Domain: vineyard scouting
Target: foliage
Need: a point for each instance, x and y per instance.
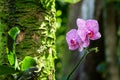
(27, 63)
(12, 34)
(70, 1)
(61, 18)
(35, 20)
(7, 70)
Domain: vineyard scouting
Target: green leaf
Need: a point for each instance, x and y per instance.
(13, 32)
(7, 70)
(27, 63)
(71, 1)
(11, 58)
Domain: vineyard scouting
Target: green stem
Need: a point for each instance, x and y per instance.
(81, 59)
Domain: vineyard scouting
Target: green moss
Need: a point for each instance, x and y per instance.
(48, 70)
(36, 18)
(46, 4)
(2, 42)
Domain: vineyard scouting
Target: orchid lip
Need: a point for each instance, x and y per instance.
(73, 43)
(91, 34)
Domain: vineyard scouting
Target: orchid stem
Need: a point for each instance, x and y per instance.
(81, 59)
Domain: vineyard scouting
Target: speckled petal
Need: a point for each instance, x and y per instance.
(92, 25)
(80, 23)
(82, 33)
(86, 42)
(96, 36)
(72, 35)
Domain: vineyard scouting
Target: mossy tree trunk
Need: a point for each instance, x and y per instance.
(36, 21)
(2, 34)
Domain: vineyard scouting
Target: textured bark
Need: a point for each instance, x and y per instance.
(2, 36)
(36, 20)
(111, 42)
(3, 27)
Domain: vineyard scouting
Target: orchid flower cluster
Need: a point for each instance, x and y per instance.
(80, 38)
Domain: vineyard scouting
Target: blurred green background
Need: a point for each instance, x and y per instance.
(103, 65)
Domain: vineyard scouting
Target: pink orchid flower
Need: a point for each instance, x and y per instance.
(73, 40)
(88, 30)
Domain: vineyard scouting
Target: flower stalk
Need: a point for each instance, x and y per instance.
(81, 59)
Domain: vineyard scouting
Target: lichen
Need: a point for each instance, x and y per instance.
(48, 26)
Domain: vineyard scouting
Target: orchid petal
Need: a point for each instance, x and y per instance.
(73, 39)
(82, 33)
(86, 42)
(92, 25)
(80, 23)
(96, 36)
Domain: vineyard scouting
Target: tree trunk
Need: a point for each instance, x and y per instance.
(111, 42)
(36, 21)
(2, 35)
(3, 41)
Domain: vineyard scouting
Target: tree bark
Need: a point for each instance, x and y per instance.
(36, 21)
(111, 42)
(2, 35)
(3, 41)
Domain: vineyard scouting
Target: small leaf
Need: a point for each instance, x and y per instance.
(27, 63)
(11, 58)
(71, 1)
(6, 70)
(13, 32)
(16, 66)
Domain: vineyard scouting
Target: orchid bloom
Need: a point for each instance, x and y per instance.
(88, 30)
(73, 40)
